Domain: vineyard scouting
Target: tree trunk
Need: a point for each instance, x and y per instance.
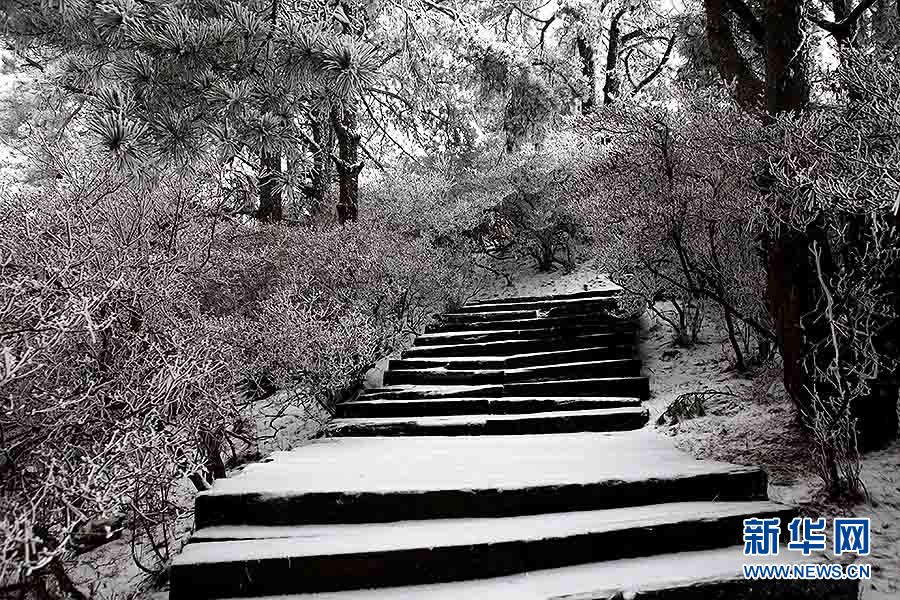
(611, 84)
(732, 66)
(588, 69)
(789, 291)
(320, 174)
(787, 83)
(788, 299)
(343, 119)
(839, 7)
(270, 208)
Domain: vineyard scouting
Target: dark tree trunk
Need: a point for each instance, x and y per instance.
(839, 7)
(270, 208)
(787, 84)
(588, 69)
(732, 66)
(348, 165)
(790, 286)
(789, 292)
(788, 299)
(320, 174)
(611, 83)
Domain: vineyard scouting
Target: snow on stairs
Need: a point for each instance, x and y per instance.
(420, 491)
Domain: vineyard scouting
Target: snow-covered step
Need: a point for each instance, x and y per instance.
(703, 574)
(637, 387)
(502, 335)
(598, 294)
(574, 370)
(244, 561)
(531, 359)
(441, 376)
(473, 406)
(503, 315)
(427, 392)
(510, 347)
(567, 421)
(353, 480)
(597, 304)
(285, 506)
(600, 322)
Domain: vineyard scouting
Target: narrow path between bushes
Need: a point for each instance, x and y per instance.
(504, 456)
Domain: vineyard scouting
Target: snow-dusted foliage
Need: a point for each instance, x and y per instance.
(669, 197)
(140, 324)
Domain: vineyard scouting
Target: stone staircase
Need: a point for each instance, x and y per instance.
(504, 457)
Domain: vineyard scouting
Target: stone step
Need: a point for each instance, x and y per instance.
(439, 376)
(703, 574)
(246, 561)
(609, 292)
(429, 392)
(475, 317)
(535, 359)
(568, 421)
(508, 348)
(636, 387)
(475, 406)
(357, 480)
(552, 308)
(504, 335)
(563, 323)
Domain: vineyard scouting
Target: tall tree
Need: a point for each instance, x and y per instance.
(780, 84)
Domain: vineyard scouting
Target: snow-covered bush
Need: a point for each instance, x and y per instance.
(516, 205)
(669, 197)
(133, 314)
(111, 377)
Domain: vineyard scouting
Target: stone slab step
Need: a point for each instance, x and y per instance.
(511, 347)
(474, 406)
(368, 464)
(573, 322)
(569, 421)
(439, 375)
(504, 335)
(252, 560)
(704, 574)
(356, 480)
(551, 307)
(636, 387)
(534, 359)
(330, 479)
(475, 317)
(428, 392)
(609, 292)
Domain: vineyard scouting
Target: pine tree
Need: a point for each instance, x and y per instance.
(249, 81)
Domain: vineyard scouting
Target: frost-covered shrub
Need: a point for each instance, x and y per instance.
(522, 210)
(132, 316)
(343, 298)
(669, 196)
(112, 380)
